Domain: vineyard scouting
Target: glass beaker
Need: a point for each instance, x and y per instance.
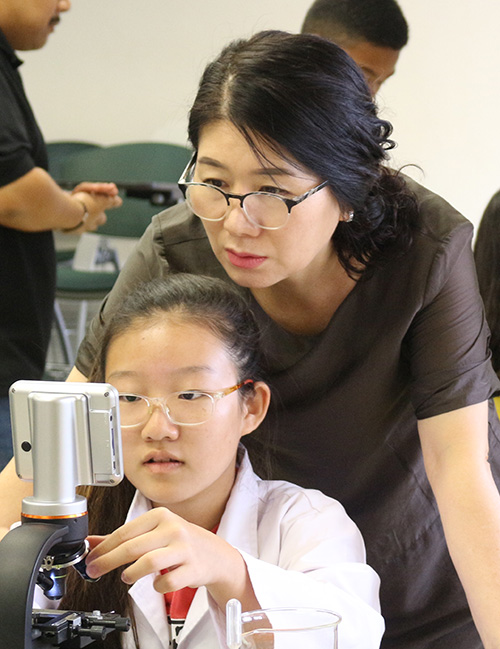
(289, 628)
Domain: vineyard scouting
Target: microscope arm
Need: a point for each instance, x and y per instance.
(22, 551)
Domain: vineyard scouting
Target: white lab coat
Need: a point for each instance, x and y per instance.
(301, 549)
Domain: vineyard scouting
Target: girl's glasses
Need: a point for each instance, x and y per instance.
(186, 408)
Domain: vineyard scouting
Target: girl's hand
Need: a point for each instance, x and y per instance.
(160, 540)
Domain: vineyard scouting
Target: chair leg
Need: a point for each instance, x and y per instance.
(62, 330)
(82, 322)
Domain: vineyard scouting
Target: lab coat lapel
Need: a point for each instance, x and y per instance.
(150, 610)
(149, 603)
(238, 527)
(198, 614)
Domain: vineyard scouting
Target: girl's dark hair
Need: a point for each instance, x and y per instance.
(306, 99)
(208, 302)
(487, 258)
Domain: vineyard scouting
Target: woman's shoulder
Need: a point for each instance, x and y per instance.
(178, 224)
(179, 237)
(440, 236)
(437, 220)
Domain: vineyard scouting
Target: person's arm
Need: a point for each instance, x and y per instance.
(35, 202)
(76, 376)
(12, 492)
(455, 450)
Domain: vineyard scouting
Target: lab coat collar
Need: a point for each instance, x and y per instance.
(238, 525)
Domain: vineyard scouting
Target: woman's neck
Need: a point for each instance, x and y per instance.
(306, 306)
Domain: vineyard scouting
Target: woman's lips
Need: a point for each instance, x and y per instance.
(244, 260)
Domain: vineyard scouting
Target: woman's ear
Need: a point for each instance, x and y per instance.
(255, 407)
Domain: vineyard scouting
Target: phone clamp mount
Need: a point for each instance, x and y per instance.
(52, 536)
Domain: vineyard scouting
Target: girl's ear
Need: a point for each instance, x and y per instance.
(255, 407)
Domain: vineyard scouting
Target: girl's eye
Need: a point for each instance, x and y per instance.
(191, 395)
(129, 398)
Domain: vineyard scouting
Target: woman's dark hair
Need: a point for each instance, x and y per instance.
(208, 302)
(306, 99)
(487, 258)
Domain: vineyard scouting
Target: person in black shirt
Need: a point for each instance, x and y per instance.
(31, 206)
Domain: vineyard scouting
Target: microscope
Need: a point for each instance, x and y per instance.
(64, 435)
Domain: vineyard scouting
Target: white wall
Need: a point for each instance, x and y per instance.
(124, 70)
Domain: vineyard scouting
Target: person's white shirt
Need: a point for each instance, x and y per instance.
(301, 549)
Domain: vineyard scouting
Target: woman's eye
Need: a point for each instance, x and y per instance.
(213, 181)
(279, 191)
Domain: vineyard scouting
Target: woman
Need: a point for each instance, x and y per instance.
(191, 526)
(374, 338)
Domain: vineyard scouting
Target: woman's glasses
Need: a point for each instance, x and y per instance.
(264, 210)
(186, 408)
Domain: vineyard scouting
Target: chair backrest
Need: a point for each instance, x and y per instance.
(60, 150)
(135, 162)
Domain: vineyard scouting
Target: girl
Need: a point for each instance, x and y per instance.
(192, 526)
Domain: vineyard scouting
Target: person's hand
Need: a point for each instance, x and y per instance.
(160, 540)
(107, 189)
(96, 205)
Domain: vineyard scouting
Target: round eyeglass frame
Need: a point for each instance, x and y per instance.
(160, 402)
(184, 184)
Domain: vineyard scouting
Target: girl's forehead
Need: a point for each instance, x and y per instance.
(170, 327)
(171, 342)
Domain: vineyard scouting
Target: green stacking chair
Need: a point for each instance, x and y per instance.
(60, 150)
(146, 174)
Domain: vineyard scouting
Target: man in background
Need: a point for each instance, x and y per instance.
(372, 32)
(31, 206)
